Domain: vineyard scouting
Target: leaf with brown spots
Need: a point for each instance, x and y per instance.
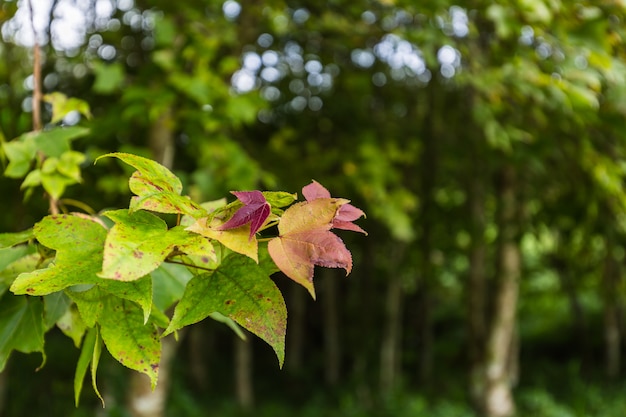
(131, 342)
(140, 241)
(156, 187)
(79, 243)
(242, 290)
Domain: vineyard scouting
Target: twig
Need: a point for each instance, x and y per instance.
(37, 95)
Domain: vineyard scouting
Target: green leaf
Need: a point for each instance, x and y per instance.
(140, 241)
(279, 199)
(79, 243)
(90, 302)
(26, 263)
(55, 184)
(20, 153)
(168, 284)
(62, 105)
(55, 306)
(133, 344)
(12, 239)
(156, 187)
(72, 325)
(56, 141)
(241, 290)
(109, 77)
(90, 353)
(21, 327)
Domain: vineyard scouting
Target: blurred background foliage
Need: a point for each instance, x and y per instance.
(485, 141)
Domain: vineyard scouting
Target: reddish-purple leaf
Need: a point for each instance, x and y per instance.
(255, 211)
(345, 216)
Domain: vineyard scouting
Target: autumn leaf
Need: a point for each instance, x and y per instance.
(305, 240)
(345, 216)
(238, 239)
(255, 211)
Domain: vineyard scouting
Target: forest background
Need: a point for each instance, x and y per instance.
(484, 140)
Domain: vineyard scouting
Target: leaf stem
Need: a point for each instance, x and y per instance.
(171, 261)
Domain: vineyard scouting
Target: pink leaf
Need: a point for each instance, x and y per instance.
(345, 216)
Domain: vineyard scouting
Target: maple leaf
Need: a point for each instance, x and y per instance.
(305, 240)
(346, 214)
(255, 211)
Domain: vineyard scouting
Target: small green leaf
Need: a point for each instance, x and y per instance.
(156, 187)
(21, 327)
(20, 153)
(109, 77)
(11, 239)
(279, 199)
(241, 290)
(62, 105)
(56, 141)
(130, 342)
(90, 353)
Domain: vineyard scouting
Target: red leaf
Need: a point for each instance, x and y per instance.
(305, 241)
(345, 216)
(255, 211)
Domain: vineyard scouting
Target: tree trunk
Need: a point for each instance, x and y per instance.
(295, 335)
(332, 343)
(142, 401)
(243, 373)
(500, 348)
(612, 334)
(476, 288)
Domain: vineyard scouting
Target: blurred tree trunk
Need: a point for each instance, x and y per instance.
(612, 334)
(295, 335)
(142, 401)
(390, 350)
(476, 285)
(501, 335)
(243, 372)
(332, 342)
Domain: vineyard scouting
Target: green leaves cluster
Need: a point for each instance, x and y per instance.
(126, 279)
(45, 157)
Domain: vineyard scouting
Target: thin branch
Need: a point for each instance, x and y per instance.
(37, 95)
